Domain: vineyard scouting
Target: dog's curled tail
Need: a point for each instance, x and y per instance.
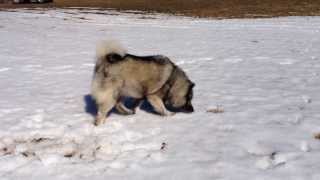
(110, 50)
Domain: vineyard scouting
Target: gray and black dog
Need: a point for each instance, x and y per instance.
(118, 74)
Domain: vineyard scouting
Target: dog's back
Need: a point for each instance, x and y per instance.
(139, 75)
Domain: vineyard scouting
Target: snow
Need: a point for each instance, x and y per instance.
(261, 74)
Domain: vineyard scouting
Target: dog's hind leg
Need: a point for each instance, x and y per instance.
(158, 105)
(122, 109)
(105, 106)
(133, 103)
(103, 109)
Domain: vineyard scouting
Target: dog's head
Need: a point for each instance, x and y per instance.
(180, 96)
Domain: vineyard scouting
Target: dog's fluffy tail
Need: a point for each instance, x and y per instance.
(108, 47)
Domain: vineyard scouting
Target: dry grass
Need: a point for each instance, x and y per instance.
(200, 8)
(216, 110)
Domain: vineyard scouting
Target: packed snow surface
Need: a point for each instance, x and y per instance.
(257, 100)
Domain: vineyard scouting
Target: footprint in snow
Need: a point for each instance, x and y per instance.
(276, 159)
(306, 99)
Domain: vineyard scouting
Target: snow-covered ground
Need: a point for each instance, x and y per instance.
(263, 73)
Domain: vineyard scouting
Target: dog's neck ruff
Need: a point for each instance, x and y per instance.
(170, 81)
(172, 77)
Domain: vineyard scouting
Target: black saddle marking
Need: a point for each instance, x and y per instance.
(113, 58)
(159, 59)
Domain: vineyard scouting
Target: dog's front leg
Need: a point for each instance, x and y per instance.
(158, 105)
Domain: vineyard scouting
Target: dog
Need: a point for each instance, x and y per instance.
(157, 79)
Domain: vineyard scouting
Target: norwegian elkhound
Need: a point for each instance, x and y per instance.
(118, 74)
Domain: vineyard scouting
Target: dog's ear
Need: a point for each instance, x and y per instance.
(113, 58)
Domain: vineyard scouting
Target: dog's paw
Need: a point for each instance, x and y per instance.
(171, 113)
(99, 120)
(168, 113)
(127, 112)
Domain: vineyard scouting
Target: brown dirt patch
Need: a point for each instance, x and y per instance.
(199, 8)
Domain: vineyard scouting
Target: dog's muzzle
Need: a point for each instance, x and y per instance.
(188, 109)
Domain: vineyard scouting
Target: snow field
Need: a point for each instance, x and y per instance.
(263, 73)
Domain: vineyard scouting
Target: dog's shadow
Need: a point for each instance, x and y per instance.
(91, 108)
(90, 105)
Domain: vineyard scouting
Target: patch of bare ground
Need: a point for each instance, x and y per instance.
(198, 8)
